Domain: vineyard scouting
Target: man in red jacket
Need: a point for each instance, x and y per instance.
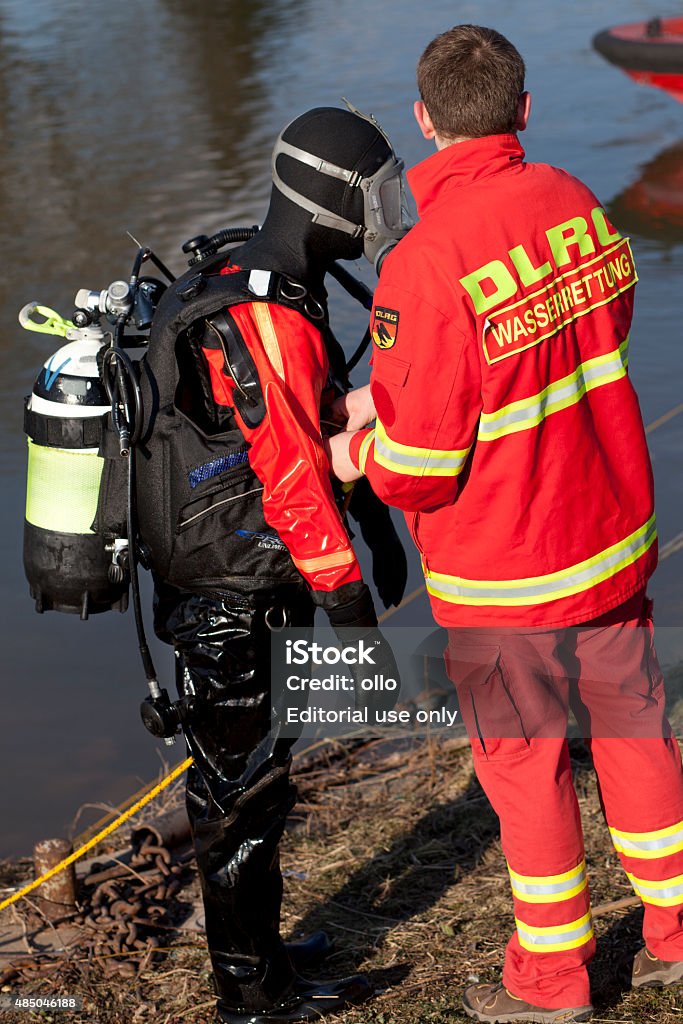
(509, 432)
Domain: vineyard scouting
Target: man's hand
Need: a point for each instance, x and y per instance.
(337, 449)
(355, 409)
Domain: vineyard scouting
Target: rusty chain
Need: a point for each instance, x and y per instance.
(121, 911)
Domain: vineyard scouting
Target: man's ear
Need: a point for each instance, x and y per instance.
(423, 119)
(523, 111)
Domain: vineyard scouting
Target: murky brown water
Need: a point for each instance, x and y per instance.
(158, 118)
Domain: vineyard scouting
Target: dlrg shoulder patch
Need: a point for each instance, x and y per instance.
(384, 326)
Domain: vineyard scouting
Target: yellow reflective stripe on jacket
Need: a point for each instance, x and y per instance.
(649, 845)
(552, 586)
(331, 561)
(549, 888)
(364, 449)
(623, 349)
(557, 937)
(412, 461)
(666, 893)
(569, 390)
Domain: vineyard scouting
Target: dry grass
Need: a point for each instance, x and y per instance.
(395, 851)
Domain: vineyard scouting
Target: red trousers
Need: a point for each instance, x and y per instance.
(515, 691)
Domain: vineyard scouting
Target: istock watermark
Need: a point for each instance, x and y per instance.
(487, 683)
(331, 683)
(303, 652)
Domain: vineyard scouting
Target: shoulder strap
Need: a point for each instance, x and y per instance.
(248, 394)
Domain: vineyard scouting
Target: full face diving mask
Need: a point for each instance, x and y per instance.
(386, 218)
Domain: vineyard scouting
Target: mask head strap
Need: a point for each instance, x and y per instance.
(371, 119)
(320, 214)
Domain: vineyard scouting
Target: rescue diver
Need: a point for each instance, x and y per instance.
(243, 534)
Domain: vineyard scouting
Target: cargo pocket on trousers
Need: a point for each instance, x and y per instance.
(486, 696)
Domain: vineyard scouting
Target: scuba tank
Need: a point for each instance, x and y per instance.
(75, 535)
(66, 561)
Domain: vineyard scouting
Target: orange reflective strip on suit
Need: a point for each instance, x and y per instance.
(268, 336)
(334, 559)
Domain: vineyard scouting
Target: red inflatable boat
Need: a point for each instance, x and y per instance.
(651, 52)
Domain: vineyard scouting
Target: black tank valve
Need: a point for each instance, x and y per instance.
(82, 318)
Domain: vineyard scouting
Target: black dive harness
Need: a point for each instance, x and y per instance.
(187, 473)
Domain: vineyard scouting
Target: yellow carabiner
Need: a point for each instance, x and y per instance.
(52, 324)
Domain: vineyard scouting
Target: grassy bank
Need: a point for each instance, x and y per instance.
(396, 853)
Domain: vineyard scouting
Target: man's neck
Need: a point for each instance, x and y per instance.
(442, 143)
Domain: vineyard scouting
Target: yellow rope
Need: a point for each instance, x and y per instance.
(77, 854)
(83, 836)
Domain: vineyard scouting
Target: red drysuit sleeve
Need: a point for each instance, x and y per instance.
(286, 450)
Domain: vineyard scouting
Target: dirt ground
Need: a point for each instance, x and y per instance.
(396, 853)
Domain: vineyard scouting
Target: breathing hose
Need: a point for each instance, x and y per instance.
(123, 390)
(118, 374)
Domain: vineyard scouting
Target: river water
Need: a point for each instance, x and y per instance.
(158, 119)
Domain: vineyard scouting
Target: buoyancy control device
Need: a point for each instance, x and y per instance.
(197, 493)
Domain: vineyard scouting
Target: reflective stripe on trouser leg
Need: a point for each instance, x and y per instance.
(552, 911)
(547, 955)
(543, 889)
(653, 861)
(641, 780)
(555, 938)
(649, 845)
(667, 892)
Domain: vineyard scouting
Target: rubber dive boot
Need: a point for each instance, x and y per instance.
(306, 1000)
(309, 950)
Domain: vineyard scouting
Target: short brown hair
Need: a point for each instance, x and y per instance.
(470, 79)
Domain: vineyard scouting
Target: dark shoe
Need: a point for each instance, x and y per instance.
(651, 972)
(307, 1000)
(493, 1003)
(309, 951)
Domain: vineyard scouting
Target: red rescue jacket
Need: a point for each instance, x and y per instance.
(507, 426)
